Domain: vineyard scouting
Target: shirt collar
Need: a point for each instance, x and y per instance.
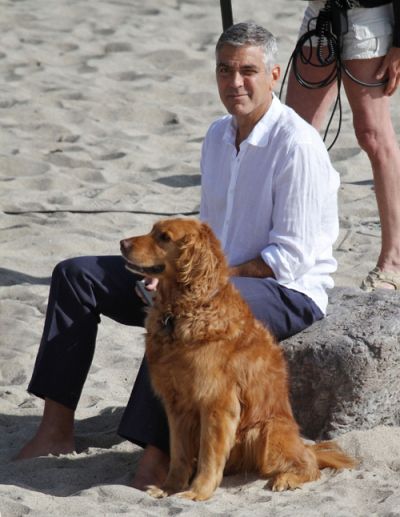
(259, 136)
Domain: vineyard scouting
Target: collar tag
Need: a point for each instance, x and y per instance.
(168, 322)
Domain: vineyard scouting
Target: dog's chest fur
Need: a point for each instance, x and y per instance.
(185, 324)
(187, 349)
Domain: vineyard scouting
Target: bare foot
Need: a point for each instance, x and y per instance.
(43, 446)
(55, 434)
(152, 468)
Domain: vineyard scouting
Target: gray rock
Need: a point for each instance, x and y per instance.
(345, 369)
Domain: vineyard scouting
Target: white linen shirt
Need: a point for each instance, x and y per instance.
(275, 198)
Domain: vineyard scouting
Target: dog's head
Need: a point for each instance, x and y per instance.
(182, 250)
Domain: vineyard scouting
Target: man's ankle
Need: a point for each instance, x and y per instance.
(152, 468)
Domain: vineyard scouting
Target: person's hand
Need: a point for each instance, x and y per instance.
(150, 284)
(391, 69)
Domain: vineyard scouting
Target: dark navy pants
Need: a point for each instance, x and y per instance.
(84, 288)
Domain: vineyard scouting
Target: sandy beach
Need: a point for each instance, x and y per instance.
(103, 107)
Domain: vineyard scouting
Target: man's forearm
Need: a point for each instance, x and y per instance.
(256, 268)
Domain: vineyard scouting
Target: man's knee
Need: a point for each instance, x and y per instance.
(68, 268)
(74, 273)
(73, 284)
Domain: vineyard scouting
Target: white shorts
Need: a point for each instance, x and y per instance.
(370, 30)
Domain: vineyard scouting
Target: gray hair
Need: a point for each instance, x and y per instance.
(250, 33)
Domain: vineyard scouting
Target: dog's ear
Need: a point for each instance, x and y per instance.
(200, 258)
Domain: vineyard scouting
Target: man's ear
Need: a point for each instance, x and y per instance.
(275, 74)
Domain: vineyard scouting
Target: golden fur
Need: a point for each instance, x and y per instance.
(219, 372)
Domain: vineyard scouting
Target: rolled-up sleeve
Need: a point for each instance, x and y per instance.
(301, 186)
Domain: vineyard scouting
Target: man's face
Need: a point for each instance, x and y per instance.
(244, 85)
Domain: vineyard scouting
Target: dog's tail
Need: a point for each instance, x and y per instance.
(330, 455)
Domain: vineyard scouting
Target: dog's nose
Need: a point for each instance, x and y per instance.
(124, 245)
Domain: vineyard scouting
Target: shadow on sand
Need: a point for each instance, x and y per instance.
(66, 475)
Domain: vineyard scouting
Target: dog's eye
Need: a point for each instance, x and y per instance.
(164, 237)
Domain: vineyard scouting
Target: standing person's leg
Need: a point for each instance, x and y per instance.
(376, 136)
(311, 104)
(81, 290)
(365, 44)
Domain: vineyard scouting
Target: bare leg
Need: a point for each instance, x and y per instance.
(375, 134)
(55, 434)
(312, 105)
(152, 468)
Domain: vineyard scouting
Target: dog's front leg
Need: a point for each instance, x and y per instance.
(183, 449)
(218, 431)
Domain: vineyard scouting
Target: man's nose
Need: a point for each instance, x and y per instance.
(236, 79)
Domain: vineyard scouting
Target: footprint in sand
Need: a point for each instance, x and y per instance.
(113, 156)
(117, 47)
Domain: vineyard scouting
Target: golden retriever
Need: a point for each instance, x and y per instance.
(221, 375)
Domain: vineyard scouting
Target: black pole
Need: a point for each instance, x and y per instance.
(226, 12)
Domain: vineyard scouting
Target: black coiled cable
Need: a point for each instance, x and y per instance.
(330, 25)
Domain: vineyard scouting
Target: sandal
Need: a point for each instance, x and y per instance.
(377, 279)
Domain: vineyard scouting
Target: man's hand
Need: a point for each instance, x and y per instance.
(255, 268)
(391, 69)
(150, 285)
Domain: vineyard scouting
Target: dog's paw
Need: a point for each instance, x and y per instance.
(285, 481)
(193, 496)
(156, 492)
